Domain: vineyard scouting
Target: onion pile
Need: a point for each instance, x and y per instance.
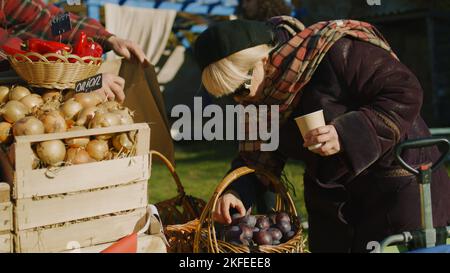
(24, 112)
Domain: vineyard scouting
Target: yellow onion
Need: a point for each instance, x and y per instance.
(53, 122)
(87, 99)
(101, 120)
(122, 143)
(85, 116)
(13, 111)
(79, 141)
(98, 149)
(125, 115)
(18, 92)
(110, 106)
(71, 108)
(75, 156)
(51, 152)
(4, 94)
(32, 100)
(107, 119)
(52, 95)
(28, 126)
(5, 132)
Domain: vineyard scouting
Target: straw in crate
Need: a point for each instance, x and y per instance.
(180, 214)
(206, 237)
(54, 70)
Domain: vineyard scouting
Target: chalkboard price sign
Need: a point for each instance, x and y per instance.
(89, 84)
(61, 24)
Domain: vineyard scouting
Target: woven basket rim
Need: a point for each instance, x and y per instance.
(44, 58)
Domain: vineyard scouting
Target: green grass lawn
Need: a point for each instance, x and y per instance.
(202, 165)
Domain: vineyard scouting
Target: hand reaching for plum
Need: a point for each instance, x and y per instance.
(222, 212)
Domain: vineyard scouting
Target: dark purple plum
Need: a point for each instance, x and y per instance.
(249, 220)
(282, 217)
(263, 223)
(255, 230)
(289, 235)
(263, 238)
(233, 233)
(275, 233)
(284, 227)
(275, 243)
(247, 232)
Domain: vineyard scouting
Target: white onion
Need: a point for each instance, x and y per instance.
(98, 149)
(107, 119)
(28, 126)
(53, 122)
(77, 156)
(122, 143)
(85, 116)
(51, 152)
(14, 110)
(18, 92)
(79, 141)
(110, 106)
(71, 108)
(87, 99)
(32, 100)
(125, 116)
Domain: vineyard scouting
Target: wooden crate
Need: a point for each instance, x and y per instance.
(89, 204)
(5, 219)
(29, 183)
(108, 228)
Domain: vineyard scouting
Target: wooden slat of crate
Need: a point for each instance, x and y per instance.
(146, 244)
(6, 243)
(26, 181)
(32, 183)
(29, 213)
(6, 216)
(84, 234)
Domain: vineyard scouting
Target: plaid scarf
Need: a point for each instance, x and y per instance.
(292, 66)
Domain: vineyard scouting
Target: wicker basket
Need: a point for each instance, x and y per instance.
(179, 214)
(206, 239)
(54, 71)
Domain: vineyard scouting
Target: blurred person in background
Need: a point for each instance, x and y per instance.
(32, 19)
(261, 10)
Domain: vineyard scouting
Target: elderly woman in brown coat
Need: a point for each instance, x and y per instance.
(355, 192)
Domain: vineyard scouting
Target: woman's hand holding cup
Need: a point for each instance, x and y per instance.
(328, 139)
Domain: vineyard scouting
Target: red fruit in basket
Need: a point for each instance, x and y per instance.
(275, 233)
(13, 45)
(263, 238)
(263, 222)
(282, 217)
(233, 233)
(255, 230)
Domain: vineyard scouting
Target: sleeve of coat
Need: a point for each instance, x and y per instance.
(388, 96)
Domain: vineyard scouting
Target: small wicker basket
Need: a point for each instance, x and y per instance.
(206, 239)
(54, 71)
(179, 214)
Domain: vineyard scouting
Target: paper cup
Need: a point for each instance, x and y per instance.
(310, 122)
